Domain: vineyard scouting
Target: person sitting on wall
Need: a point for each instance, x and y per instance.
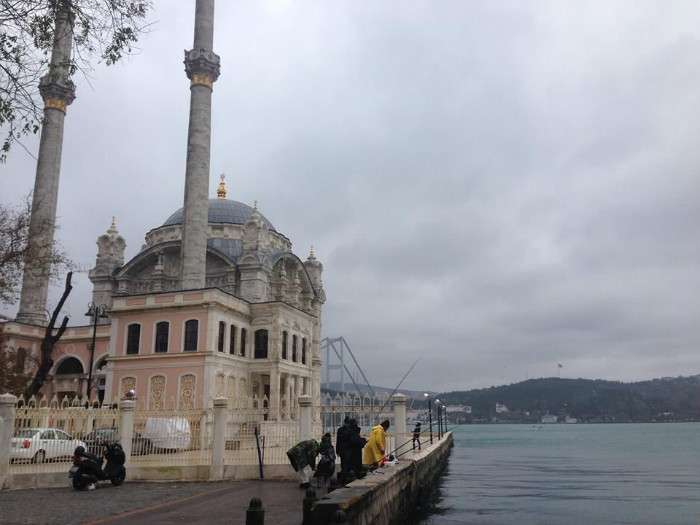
(302, 456)
(376, 445)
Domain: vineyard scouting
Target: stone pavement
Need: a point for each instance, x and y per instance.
(215, 503)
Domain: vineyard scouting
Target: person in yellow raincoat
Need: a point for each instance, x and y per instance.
(376, 444)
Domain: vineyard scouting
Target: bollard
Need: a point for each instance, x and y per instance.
(255, 515)
(309, 500)
(339, 517)
(332, 485)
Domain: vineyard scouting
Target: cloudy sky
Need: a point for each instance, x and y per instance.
(493, 187)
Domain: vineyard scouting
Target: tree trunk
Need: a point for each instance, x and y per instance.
(49, 342)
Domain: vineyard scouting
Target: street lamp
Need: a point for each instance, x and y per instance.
(430, 416)
(96, 312)
(439, 416)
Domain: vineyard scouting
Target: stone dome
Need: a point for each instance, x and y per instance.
(222, 211)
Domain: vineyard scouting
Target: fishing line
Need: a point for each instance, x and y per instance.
(376, 417)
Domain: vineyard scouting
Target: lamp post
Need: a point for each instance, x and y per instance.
(439, 417)
(96, 312)
(430, 416)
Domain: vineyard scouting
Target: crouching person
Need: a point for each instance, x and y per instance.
(302, 456)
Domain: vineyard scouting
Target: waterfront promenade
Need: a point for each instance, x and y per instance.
(216, 503)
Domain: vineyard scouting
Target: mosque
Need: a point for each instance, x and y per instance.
(214, 304)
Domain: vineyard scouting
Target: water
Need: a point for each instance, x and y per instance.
(571, 474)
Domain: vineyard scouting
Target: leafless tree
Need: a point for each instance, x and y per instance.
(51, 337)
(14, 229)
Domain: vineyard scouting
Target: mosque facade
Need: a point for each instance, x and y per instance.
(215, 304)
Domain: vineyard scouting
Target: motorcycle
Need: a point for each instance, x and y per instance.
(87, 467)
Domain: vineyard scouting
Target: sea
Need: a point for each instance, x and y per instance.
(582, 474)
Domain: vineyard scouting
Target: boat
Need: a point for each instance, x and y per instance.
(571, 420)
(549, 418)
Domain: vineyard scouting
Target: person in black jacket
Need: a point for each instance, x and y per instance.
(341, 448)
(354, 445)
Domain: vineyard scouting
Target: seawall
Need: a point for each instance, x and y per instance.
(389, 497)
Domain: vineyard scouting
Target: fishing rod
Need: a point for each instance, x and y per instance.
(376, 417)
(411, 441)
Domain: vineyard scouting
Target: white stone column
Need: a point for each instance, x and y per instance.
(398, 403)
(202, 68)
(275, 393)
(216, 469)
(7, 421)
(305, 417)
(57, 91)
(126, 426)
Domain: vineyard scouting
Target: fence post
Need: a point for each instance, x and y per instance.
(398, 403)
(126, 426)
(218, 445)
(305, 417)
(7, 423)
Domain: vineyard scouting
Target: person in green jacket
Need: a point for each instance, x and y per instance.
(302, 456)
(376, 444)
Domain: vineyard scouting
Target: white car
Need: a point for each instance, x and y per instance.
(41, 444)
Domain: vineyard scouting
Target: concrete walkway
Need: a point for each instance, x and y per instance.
(223, 503)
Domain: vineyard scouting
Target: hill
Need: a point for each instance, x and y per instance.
(667, 399)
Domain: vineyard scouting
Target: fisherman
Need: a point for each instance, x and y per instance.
(354, 444)
(376, 446)
(342, 435)
(416, 436)
(302, 456)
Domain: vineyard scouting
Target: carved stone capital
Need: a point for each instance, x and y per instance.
(202, 67)
(57, 91)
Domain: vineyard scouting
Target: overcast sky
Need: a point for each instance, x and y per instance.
(492, 187)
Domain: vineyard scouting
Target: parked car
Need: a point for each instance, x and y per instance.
(42, 444)
(98, 438)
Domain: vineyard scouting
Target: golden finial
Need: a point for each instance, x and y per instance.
(255, 206)
(113, 225)
(221, 191)
(311, 253)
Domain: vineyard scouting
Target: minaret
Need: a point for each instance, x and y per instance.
(202, 68)
(58, 91)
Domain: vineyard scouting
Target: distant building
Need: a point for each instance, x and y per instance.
(501, 408)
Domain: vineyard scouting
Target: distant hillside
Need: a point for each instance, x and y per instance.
(667, 399)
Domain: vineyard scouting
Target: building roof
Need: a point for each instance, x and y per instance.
(222, 211)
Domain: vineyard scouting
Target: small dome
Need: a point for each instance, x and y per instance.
(222, 211)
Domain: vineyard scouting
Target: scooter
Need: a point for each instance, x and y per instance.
(87, 467)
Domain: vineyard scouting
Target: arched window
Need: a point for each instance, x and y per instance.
(162, 336)
(244, 333)
(303, 350)
(133, 339)
(232, 341)
(261, 344)
(222, 335)
(191, 335)
(285, 336)
(70, 366)
(20, 360)
(294, 348)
